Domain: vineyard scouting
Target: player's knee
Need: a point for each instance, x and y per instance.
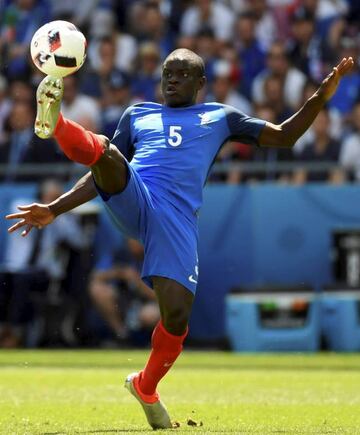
(111, 171)
(104, 141)
(111, 152)
(175, 320)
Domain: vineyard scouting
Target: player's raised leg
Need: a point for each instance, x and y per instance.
(105, 160)
(175, 303)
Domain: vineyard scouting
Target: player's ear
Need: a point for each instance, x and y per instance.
(202, 82)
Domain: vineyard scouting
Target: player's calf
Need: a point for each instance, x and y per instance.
(80, 145)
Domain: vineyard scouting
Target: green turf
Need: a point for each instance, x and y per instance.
(56, 392)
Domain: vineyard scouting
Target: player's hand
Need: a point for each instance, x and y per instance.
(330, 83)
(32, 215)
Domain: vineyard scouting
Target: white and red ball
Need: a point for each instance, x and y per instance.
(58, 48)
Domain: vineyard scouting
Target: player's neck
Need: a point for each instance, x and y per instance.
(182, 106)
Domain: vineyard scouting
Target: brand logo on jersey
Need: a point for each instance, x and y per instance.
(204, 119)
(193, 278)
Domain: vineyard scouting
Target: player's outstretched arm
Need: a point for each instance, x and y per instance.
(287, 133)
(39, 215)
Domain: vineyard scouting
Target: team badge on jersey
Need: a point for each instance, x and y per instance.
(204, 119)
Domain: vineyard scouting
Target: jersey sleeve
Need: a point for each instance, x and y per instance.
(242, 127)
(122, 136)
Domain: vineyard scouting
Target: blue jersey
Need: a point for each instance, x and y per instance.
(174, 148)
(171, 151)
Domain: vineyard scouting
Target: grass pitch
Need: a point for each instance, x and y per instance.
(81, 392)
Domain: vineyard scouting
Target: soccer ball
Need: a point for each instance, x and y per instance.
(58, 48)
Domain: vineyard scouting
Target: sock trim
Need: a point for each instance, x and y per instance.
(179, 338)
(148, 398)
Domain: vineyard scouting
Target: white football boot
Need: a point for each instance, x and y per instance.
(156, 413)
(48, 99)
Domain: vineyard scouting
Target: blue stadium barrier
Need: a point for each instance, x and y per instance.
(266, 234)
(253, 235)
(340, 319)
(9, 195)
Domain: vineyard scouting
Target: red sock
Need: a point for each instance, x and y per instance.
(165, 349)
(78, 144)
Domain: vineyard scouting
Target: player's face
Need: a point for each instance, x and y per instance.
(180, 83)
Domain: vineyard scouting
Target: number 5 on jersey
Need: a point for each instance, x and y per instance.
(175, 137)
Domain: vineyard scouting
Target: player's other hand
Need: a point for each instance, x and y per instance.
(330, 83)
(32, 215)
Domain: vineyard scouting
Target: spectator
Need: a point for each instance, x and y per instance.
(275, 98)
(353, 17)
(281, 11)
(31, 263)
(223, 88)
(309, 89)
(208, 14)
(306, 49)
(350, 148)
(126, 304)
(278, 64)
(223, 91)
(271, 156)
(23, 146)
(125, 45)
(229, 53)
(5, 106)
(330, 16)
(21, 91)
(324, 149)
(94, 80)
(148, 73)
(251, 55)
(205, 46)
(265, 27)
(79, 107)
(349, 89)
(335, 125)
(118, 98)
(19, 22)
(78, 12)
(154, 29)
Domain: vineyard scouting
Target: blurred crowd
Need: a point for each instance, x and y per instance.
(264, 57)
(75, 282)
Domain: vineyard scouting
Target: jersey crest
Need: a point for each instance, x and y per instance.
(204, 119)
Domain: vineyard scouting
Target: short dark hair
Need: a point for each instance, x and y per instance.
(186, 54)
